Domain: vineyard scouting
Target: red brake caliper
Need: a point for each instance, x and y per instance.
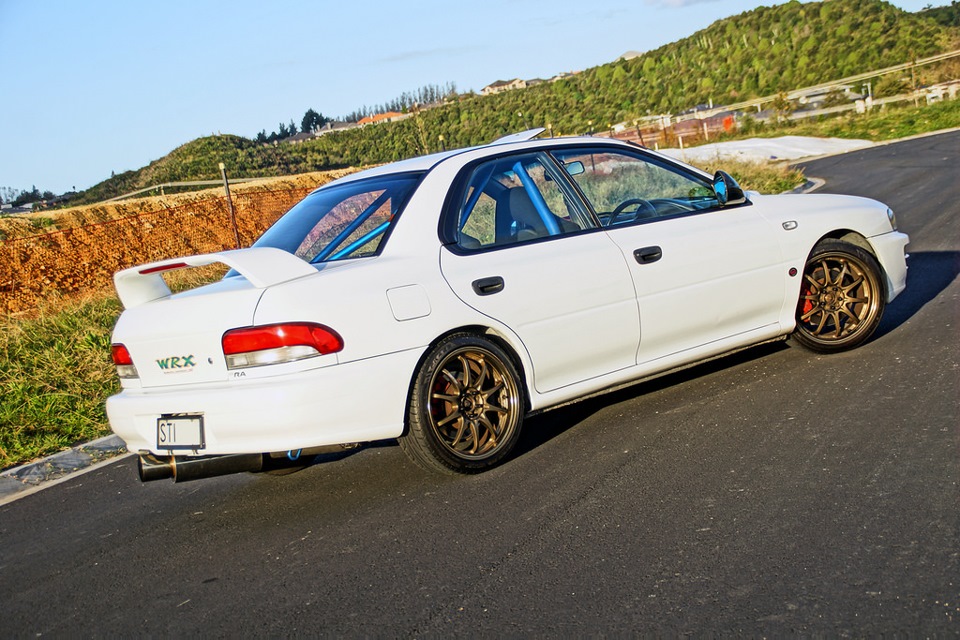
(805, 291)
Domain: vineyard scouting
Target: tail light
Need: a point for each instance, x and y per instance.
(123, 361)
(278, 343)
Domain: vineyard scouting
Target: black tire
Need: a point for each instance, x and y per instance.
(466, 407)
(842, 298)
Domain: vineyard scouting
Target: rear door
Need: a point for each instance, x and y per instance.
(528, 255)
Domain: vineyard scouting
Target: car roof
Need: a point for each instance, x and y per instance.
(514, 142)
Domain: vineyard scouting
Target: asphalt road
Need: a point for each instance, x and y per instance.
(775, 492)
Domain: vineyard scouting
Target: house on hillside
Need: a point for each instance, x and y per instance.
(332, 126)
(7, 209)
(300, 137)
(389, 116)
(503, 85)
(563, 75)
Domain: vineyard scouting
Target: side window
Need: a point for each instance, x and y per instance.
(624, 188)
(516, 199)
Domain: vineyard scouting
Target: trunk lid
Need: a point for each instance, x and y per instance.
(176, 339)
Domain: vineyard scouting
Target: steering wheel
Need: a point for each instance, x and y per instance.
(649, 211)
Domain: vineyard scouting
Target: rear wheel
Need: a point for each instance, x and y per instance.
(466, 407)
(841, 299)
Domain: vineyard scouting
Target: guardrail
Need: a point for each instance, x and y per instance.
(190, 183)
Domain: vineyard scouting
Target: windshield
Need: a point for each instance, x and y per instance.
(342, 221)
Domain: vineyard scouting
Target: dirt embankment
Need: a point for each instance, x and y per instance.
(78, 250)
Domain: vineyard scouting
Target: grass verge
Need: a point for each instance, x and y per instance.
(55, 373)
(758, 176)
(889, 123)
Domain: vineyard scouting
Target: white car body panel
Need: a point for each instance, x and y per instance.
(721, 274)
(593, 326)
(317, 407)
(161, 335)
(578, 313)
(818, 215)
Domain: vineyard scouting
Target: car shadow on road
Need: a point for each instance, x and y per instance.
(541, 428)
(930, 272)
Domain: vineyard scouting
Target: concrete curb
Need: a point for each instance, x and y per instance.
(812, 184)
(19, 481)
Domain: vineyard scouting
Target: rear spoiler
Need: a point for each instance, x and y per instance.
(262, 267)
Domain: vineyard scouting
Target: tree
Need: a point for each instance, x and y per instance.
(782, 106)
(33, 195)
(8, 194)
(312, 121)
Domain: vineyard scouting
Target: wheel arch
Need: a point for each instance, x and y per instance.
(478, 330)
(846, 235)
(858, 240)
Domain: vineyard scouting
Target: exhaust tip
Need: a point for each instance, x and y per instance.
(151, 468)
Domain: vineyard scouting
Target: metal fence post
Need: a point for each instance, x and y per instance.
(233, 215)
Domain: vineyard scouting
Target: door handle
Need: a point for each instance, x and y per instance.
(488, 286)
(646, 255)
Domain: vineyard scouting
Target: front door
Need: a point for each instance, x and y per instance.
(702, 273)
(529, 256)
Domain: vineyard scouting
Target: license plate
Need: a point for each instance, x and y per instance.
(180, 432)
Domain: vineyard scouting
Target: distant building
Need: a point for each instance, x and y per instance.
(8, 209)
(629, 55)
(389, 116)
(331, 126)
(300, 137)
(563, 74)
(503, 85)
(517, 83)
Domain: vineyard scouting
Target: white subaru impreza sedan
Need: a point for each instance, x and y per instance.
(440, 300)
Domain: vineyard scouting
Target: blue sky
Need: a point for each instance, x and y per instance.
(94, 86)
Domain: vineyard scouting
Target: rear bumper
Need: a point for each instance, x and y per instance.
(890, 249)
(346, 403)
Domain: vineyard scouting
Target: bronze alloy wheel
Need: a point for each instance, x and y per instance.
(473, 403)
(466, 409)
(841, 298)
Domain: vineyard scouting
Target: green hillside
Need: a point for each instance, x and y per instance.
(754, 54)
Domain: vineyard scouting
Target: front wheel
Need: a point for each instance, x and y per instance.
(841, 299)
(466, 407)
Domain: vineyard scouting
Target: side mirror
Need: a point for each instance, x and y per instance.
(574, 168)
(727, 190)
